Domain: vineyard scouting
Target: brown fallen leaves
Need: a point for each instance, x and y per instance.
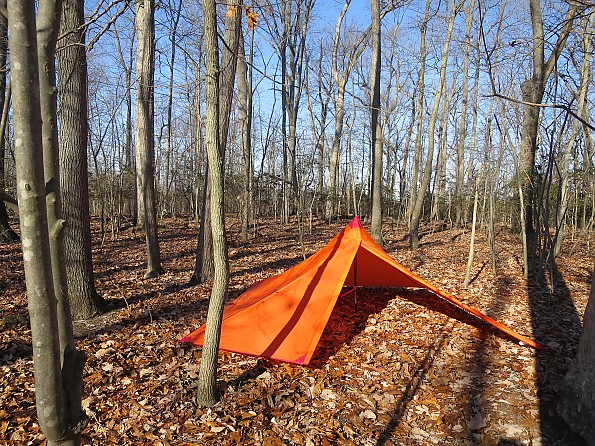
(391, 371)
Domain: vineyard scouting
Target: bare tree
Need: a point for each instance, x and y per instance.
(6, 232)
(533, 90)
(581, 96)
(376, 125)
(205, 266)
(85, 302)
(244, 80)
(144, 132)
(58, 365)
(419, 114)
(207, 392)
(168, 177)
(343, 64)
(417, 207)
(462, 130)
(291, 46)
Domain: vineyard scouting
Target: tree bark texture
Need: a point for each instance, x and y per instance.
(57, 390)
(207, 392)
(85, 302)
(375, 126)
(144, 132)
(48, 23)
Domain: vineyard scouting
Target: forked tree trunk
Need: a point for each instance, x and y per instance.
(85, 302)
(58, 365)
(341, 76)
(207, 392)
(204, 268)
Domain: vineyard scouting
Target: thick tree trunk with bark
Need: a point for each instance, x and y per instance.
(85, 302)
(144, 132)
(207, 392)
(48, 22)
(58, 365)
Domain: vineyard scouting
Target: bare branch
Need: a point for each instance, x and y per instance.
(558, 106)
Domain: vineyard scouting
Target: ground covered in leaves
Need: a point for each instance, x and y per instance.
(392, 371)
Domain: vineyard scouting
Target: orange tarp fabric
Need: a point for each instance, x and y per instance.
(284, 316)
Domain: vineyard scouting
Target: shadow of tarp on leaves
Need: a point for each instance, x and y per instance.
(434, 302)
(351, 313)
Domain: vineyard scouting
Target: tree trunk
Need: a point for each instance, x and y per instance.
(375, 126)
(144, 132)
(207, 392)
(472, 242)
(585, 78)
(533, 90)
(6, 232)
(419, 199)
(577, 402)
(85, 302)
(419, 110)
(245, 117)
(170, 97)
(462, 133)
(58, 366)
(341, 76)
(204, 269)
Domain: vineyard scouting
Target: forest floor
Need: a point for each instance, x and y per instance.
(394, 371)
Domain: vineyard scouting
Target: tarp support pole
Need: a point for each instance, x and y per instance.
(355, 281)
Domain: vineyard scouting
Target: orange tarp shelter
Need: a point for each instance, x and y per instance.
(284, 316)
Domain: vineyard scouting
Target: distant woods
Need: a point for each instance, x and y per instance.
(473, 97)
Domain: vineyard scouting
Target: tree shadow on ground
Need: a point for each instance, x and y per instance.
(413, 387)
(14, 350)
(475, 409)
(557, 325)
